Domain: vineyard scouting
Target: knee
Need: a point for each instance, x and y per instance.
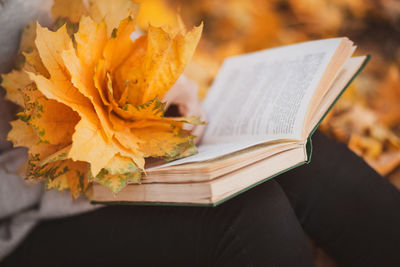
(265, 227)
(267, 197)
(264, 206)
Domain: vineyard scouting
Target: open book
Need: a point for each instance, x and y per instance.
(262, 109)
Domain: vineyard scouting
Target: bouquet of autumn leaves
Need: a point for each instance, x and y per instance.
(91, 96)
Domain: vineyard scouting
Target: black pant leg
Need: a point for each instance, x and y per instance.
(270, 233)
(345, 206)
(257, 228)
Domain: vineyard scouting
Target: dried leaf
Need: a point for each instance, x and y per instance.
(367, 146)
(61, 154)
(81, 125)
(22, 134)
(166, 58)
(28, 37)
(388, 98)
(64, 92)
(34, 63)
(54, 122)
(118, 172)
(59, 87)
(50, 46)
(117, 182)
(386, 163)
(82, 70)
(14, 82)
(120, 45)
(72, 10)
(113, 12)
(162, 141)
(129, 76)
(68, 174)
(121, 165)
(90, 41)
(88, 144)
(321, 15)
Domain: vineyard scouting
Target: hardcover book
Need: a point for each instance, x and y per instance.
(262, 110)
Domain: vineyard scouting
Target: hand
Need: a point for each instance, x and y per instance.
(184, 95)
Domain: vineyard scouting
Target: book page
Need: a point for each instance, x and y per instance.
(261, 97)
(349, 69)
(265, 94)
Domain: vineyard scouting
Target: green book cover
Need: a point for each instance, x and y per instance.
(308, 149)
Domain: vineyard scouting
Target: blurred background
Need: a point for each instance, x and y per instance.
(367, 117)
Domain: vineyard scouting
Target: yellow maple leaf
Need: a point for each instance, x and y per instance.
(22, 134)
(72, 10)
(118, 173)
(113, 12)
(53, 121)
(14, 82)
(67, 174)
(34, 63)
(84, 115)
(164, 57)
(28, 37)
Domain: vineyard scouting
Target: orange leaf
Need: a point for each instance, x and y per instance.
(82, 79)
(90, 41)
(34, 63)
(54, 122)
(166, 57)
(120, 45)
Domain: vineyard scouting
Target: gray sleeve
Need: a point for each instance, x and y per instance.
(15, 196)
(22, 205)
